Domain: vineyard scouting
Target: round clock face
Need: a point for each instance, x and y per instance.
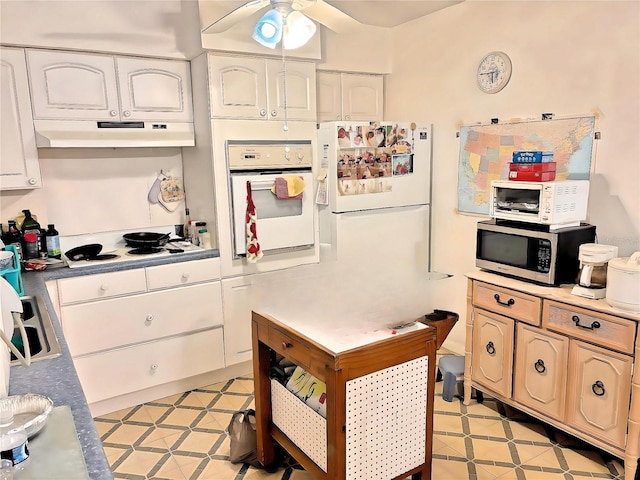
(494, 72)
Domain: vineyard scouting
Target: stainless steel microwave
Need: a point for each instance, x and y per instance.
(531, 252)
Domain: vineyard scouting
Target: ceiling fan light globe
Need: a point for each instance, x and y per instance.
(268, 30)
(298, 30)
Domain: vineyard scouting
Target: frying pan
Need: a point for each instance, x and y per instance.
(88, 252)
(146, 239)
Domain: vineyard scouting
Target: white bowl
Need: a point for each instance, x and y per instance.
(6, 259)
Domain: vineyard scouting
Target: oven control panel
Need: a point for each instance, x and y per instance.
(267, 154)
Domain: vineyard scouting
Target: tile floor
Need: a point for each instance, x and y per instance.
(182, 437)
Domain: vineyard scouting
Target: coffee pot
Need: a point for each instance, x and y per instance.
(10, 309)
(592, 277)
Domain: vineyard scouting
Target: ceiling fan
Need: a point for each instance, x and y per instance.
(288, 20)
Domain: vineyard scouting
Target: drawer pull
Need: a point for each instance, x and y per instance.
(598, 388)
(491, 349)
(185, 276)
(539, 366)
(104, 287)
(593, 326)
(286, 345)
(154, 367)
(508, 303)
(149, 318)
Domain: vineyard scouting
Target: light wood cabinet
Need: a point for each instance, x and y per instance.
(86, 86)
(540, 376)
(350, 96)
(126, 335)
(493, 347)
(261, 89)
(572, 360)
(20, 165)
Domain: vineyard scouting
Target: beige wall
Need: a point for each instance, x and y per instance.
(568, 58)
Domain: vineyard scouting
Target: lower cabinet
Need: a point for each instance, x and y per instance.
(131, 330)
(124, 370)
(563, 359)
(540, 377)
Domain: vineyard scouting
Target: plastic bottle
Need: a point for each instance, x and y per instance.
(13, 444)
(53, 242)
(30, 246)
(187, 224)
(30, 224)
(195, 232)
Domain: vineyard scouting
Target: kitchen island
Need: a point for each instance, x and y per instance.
(56, 377)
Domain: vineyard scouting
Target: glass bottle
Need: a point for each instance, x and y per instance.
(53, 242)
(13, 441)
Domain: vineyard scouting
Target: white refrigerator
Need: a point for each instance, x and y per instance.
(375, 193)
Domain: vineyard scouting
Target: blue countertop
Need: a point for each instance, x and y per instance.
(56, 377)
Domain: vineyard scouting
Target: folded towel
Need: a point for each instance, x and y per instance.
(290, 186)
(254, 253)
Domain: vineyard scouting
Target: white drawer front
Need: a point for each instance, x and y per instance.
(103, 285)
(185, 273)
(96, 326)
(109, 374)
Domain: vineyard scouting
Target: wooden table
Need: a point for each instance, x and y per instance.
(389, 375)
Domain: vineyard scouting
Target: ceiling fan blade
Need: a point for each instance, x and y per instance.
(331, 17)
(233, 17)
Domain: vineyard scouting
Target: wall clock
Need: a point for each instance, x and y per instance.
(494, 72)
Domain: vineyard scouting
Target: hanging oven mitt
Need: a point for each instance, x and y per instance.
(154, 192)
(171, 194)
(253, 247)
(290, 186)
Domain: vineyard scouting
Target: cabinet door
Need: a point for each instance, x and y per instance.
(599, 392)
(292, 87)
(329, 103)
(20, 167)
(238, 299)
(492, 353)
(540, 378)
(74, 86)
(237, 87)
(153, 89)
(362, 97)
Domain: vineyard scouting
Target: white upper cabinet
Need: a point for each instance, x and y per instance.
(260, 89)
(350, 96)
(81, 86)
(18, 153)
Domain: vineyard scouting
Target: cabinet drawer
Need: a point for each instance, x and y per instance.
(117, 372)
(492, 354)
(103, 285)
(604, 330)
(518, 305)
(600, 392)
(540, 379)
(290, 348)
(96, 326)
(184, 273)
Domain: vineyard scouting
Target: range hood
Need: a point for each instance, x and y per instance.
(89, 134)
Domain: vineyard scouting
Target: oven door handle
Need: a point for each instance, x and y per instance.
(262, 184)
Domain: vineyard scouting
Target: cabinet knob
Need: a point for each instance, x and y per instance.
(286, 345)
(598, 388)
(508, 303)
(539, 366)
(347, 117)
(153, 367)
(338, 117)
(33, 181)
(104, 287)
(113, 113)
(185, 276)
(491, 349)
(274, 113)
(263, 113)
(127, 113)
(149, 318)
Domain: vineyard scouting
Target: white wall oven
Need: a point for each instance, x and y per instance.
(277, 176)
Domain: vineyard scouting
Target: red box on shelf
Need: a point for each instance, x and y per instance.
(519, 176)
(532, 167)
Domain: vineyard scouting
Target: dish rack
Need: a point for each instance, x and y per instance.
(379, 404)
(13, 274)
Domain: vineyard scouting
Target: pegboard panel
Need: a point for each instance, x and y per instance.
(386, 421)
(304, 427)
